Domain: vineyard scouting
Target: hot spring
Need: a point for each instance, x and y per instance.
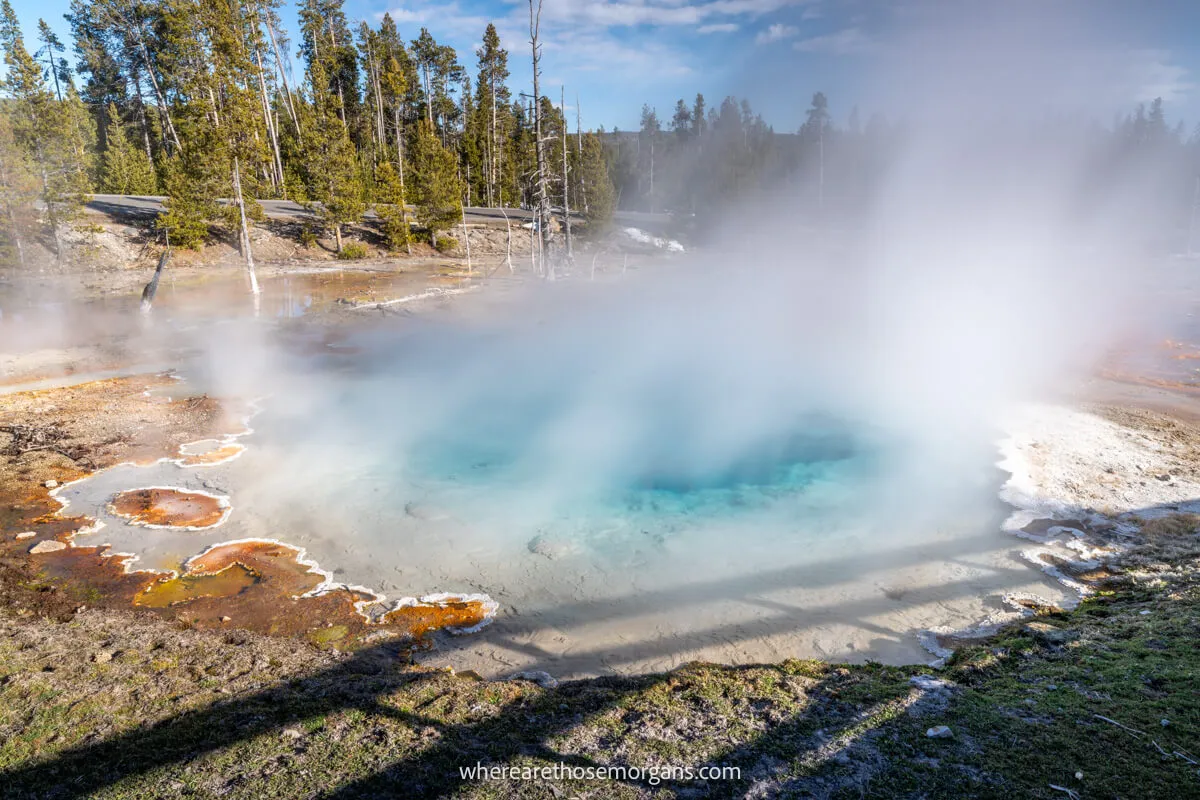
(637, 484)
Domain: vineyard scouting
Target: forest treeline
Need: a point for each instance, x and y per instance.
(200, 102)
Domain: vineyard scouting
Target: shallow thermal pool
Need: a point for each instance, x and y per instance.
(625, 515)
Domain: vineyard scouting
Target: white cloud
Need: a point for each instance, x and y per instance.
(597, 51)
(446, 20)
(1152, 73)
(776, 33)
(720, 27)
(849, 41)
(403, 15)
(627, 13)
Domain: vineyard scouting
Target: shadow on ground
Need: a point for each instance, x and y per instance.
(1103, 701)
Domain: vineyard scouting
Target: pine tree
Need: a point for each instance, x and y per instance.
(681, 121)
(648, 150)
(125, 168)
(595, 184)
(814, 134)
(325, 40)
(222, 151)
(190, 202)
(51, 133)
(330, 167)
(493, 119)
(389, 197)
(436, 188)
(439, 70)
(699, 123)
(18, 192)
(56, 65)
(397, 83)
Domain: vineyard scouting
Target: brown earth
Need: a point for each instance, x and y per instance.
(54, 436)
(170, 508)
(217, 455)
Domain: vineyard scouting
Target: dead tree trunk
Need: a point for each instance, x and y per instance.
(562, 101)
(145, 126)
(152, 287)
(158, 93)
(18, 242)
(541, 200)
(507, 241)
(400, 164)
(244, 226)
(287, 91)
(466, 237)
(51, 214)
(277, 177)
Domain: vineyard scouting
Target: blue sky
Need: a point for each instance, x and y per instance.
(618, 54)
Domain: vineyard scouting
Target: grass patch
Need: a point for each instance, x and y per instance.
(209, 714)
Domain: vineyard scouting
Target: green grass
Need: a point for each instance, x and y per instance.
(187, 712)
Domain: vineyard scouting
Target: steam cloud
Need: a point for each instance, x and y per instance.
(992, 264)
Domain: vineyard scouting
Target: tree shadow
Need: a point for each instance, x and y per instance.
(142, 211)
(522, 729)
(836, 715)
(522, 733)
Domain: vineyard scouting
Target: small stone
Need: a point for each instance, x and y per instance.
(542, 679)
(26, 535)
(1164, 722)
(51, 484)
(940, 732)
(47, 546)
(102, 656)
(1052, 686)
(1078, 776)
(1144, 612)
(928, 683)
(226, 619)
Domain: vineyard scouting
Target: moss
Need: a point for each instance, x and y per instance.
(326, 636)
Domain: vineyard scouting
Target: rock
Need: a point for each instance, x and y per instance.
(1050, 634)
(226, 619)
(542, 679)
(102, 656)
(940, 732)
(51, 484)
(47, 546)
(26, 535)
(1078, 776)
(928, 683)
